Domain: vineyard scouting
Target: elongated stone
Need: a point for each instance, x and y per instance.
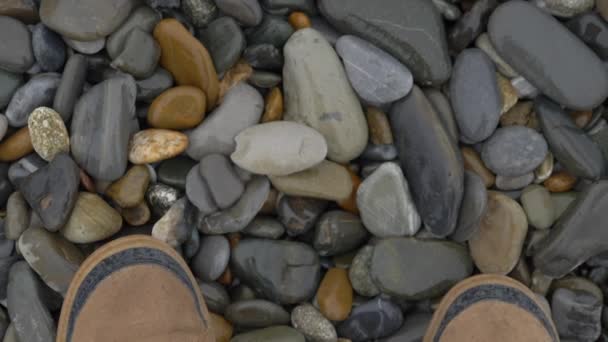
(542, 50)
(430, 160)
(317, 93)
(327, 180)
(38, 91)
(70, 87)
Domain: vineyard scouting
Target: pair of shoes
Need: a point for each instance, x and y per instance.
(139, 289)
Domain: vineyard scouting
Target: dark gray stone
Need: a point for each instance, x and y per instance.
(6, 188)
(200, 12)
(48, 47)
(256, 313)
(338, 232)
(52, 191)
(198, 192)
(475, 97)
(174, 171)
(24, 167)
(577, 235)
(161, 197)
(17, 216)
(272, 30)
(307, 6)
(282, 271)
(443, 108)
(299, 214)
(216, 296)
(212, 258)
(142, 17)
(6, 245)
(416, 39)
(470, 25)
(247, 12)
(100, 128)
(543, 51)
(400, 267)
(140, 54)
(149, 88)
(373, 319)
(9, 83)
(16, 46)
(38, 91)
(264, 79)
(514, 151)
(474, 204)
(70, 87)
(592, 30)
(163, 3)
(570, 145)
(264, 56)
(379, 152)
(222, 180)
(577, 314)
(265, 228)
(431, 161)
(413, 328)
(225, 41)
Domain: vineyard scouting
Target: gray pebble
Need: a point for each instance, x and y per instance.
(38, 91)
(212, 258)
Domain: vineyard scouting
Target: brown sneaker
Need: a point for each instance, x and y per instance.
(134, 289)
(491, 308)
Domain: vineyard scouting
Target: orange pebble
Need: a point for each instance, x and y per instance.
(274, 106)
(350, 204)
(234, 239)
(16, 146)
(335, 295)
(299, 20)
(560, 182)
(222, 329)
(582, 117)
(226, 277)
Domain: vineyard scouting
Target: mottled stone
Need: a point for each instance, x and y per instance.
(430, 160)
(200, 12)
(312, 324)
(38, 91)
(373, 319)
(256, 313)
(533, 39)
(359, 273)
(265, 228)
(71, 86)
(16, 45)
(263, 56)
(161, 197)
(338, 232)
(154, 145)
(317, 93)
(48, 133)
(92, 220)
(327, 180)
(565, 8)
(474, 205)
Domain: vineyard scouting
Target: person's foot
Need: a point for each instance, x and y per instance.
(134, 289)
(491, 308)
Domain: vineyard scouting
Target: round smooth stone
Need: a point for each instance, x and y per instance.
(16, 46)
(272, 334)
(88, 19)
(137, 215)
(178, 108)
(92, 220)
(17, 216)
(212, 258)
(216, 296)
(16, 146)
(386, 205)
(474, 95)
(312, 324)
(222, 180)
(142, 17)
(51, 256)
(150, 88)
(514, 151)
(265, 228)
(48, 133)
(497, 245)
(256, 313)
(161, 197)
(474, 204)
(318, 93)
(88, 48)
(264, 79)
(400, 267)
(278, 148)
(139, 56)
(338, 232)
(335, 295)
(538, 205)
(327, 180)
(247, 12)
(38, 91)
(225, 40)
(9, 83)
(376, 318)
(154, 145)
(507, 183)
(359, 273)
(129, 190)
(186, 59)
(49, 49)
(200, 12)
(299, 214)
(377, 77)
(198, 192)
(71, 86)
(173, 171)
(273, 30)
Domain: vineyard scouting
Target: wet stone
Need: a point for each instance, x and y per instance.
(173, 171)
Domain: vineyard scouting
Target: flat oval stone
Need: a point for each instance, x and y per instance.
(592, 30)
(376, 318)
(89, 19)
(509, 183)
(256, 313)
(376, 76)
(26, 303)
(92, 220)
(216, 297)
(142, 17)
(327, 180)
(514, 151)
(186, 58)
(417, 40)
(198, 192)
(272, 334)
(150, 88)
(52, 191)
(265, 228)
(534, 39)
(51, 256)
(224, 184)
(241, 107)
(129, 190)
(282, 271)
(140, 55)
(101, 128)
(225, 41)
(576, 236)
(16, 146)
(470, 25)
(338, 232)
(312, 324)
(497, 245)
(17, 216)
(178, 108)
(87, 47)
(335, 295)
(71, 86)
(153, 145)
(173, 171)
(212, 258)
(400, 267)
(247, 12)
(474, 204)
(475, 96)
(16, 45)
(317, 93)
(48, 47)
(273, 30)
(385, 203)
(9, 83)
(48, 133)
(539, 208)
(444, 109)
(430, 160)
(570, 145)
(38, 91)
(278, 148)
(299, 214)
